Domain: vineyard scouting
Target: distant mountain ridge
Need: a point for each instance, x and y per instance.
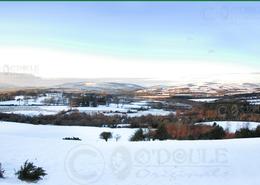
(109, 87)
(15, 80)
(28, 80)
(117, 85)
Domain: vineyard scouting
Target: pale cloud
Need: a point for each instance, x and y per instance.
(61, 63)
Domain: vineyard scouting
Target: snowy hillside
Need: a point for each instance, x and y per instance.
(94, 161)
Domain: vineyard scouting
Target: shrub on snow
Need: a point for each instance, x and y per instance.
(216, 133)
(72, 138)
(247, 133)
(105, 135)
(1, 171)
(138, 135)
(30, 173)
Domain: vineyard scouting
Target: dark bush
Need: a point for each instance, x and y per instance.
(247, 133)
(244, 133)
(105, 135)
(138, 135)
(1, 171)
(257, 131)
(72, 138)
(162, 133)
(216, 133)
(30, 173)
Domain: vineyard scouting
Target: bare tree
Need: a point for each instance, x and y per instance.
(117, 137)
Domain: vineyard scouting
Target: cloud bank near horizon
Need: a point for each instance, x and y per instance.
(163, 41)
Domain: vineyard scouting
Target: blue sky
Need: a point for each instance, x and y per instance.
(161, 33)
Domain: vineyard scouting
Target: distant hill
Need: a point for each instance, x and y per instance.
(203, 89)
(18, 80)
(117, 85)
(15, 80)
(109, 87)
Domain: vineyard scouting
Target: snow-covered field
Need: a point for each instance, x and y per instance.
(131, 110)
(254, 101)
(233, 126)
(33, 110)
(209, 100)
(21, 101)
(93, 161)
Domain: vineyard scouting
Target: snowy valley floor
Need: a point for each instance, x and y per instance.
(93, 161)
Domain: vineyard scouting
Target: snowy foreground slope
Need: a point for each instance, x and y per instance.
(93, 161)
